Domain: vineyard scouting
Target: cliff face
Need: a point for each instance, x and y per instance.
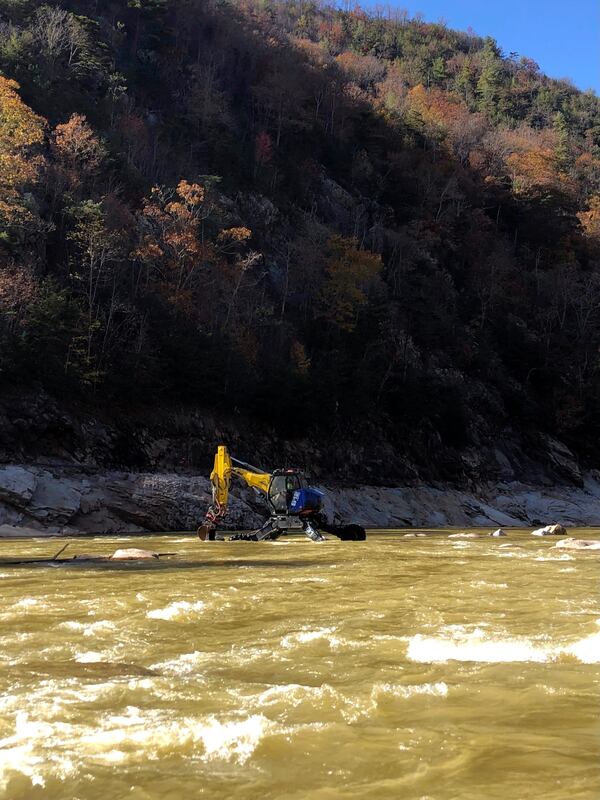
(39, 430)
(366, 247)
(57, 501)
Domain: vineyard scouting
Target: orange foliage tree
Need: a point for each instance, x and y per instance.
(77, 148)
(349, 272)
(590, 219)
(171, 246)
(532, 170)
(447, 118)
(21, 132)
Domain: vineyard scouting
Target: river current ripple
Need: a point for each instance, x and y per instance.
(427, 667)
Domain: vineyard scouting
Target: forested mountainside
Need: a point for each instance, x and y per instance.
(337, 225)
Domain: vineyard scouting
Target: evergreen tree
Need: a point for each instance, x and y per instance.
(438, 70)
(563, 150)
(490, 78)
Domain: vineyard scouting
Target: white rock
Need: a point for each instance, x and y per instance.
(132, 553)
(571, 543)
(550, 530)
(499, 532)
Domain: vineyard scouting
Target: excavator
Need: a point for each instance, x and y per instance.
(294, 506)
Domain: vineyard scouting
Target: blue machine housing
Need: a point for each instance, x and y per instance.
(307, 499)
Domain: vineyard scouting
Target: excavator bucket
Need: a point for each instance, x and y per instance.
(206, 533)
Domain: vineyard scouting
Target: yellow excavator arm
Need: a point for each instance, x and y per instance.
(220, 478)
(293, 506)
(223, 469)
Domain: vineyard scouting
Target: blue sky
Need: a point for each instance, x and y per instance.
(563, 37)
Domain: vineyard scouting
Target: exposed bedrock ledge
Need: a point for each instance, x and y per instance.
(52, 501)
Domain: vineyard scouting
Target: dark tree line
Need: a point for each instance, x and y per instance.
(328, 219)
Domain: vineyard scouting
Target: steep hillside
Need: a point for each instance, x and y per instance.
(361, 234)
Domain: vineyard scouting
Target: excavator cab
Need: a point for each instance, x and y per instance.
(289, 493)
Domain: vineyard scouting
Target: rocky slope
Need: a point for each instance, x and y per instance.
(69, 469)
(52, 501)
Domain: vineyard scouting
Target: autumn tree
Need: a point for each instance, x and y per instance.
(365, 71)
(21, 134)
(232, 242)
(78, 152)
(17, 291)
(349, 273)
(590, 218)
(445, 117)
(172, 249)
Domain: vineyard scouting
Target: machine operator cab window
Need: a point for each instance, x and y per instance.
(282, 487)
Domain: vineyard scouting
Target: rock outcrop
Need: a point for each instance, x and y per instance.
(64, 501)
(562, 459)
(58, 500)
(17, 486)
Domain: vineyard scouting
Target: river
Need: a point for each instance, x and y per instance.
(430, 668)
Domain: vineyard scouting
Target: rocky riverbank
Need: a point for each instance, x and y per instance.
(57, 500)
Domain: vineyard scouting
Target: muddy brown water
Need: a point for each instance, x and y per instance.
(430, 668)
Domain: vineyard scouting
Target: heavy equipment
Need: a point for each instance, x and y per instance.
(294, 506)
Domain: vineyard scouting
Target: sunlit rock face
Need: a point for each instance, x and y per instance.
(54, 501)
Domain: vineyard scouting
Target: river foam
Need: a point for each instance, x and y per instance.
(133, 736)
(309, 636)
(89, 628)
(438, 689)
(181, 609)
(479, 646)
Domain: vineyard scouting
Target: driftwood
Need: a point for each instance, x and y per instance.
(62, 549)
(83, 557)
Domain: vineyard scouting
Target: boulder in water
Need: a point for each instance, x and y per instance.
(571, 543)
(550, 530)
(499, 532)
(132, 554)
